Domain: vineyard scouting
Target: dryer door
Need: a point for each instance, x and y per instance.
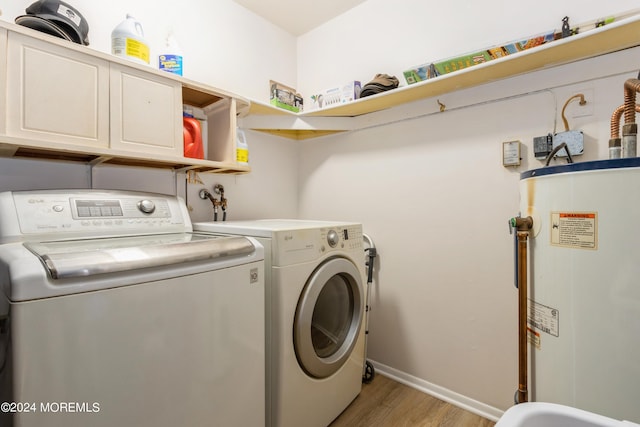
(328, 317)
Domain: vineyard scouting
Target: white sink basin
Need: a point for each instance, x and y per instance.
(539, 414)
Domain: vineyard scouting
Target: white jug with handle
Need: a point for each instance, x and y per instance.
(127, 41)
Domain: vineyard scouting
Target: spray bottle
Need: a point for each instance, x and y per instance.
(127, 41)
(170, 58)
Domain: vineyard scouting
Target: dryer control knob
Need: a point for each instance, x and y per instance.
(332, 238)
(146, 206)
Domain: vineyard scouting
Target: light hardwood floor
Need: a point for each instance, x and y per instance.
(387, 403)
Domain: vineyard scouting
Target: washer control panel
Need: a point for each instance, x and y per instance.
(91, 212)
(121, 207)
(307, 244)
(346, 237)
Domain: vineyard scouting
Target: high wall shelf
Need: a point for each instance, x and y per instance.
(610, 38)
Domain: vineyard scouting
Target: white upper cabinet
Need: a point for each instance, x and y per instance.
(146, 112)
(55, 94)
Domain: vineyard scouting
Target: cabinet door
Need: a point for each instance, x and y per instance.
(56, 94)
(146, 112)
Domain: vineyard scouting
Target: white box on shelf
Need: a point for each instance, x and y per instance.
(337, 95)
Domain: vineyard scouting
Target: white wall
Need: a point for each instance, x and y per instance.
(269, 191)
(22, 174)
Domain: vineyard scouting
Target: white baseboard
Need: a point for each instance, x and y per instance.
(466, 403)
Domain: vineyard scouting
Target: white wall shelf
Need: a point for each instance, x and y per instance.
(610, 38)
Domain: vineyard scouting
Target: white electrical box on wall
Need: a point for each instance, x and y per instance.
(511, 153)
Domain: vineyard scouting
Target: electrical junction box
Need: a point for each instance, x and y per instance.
(543, 145)
(574, 140)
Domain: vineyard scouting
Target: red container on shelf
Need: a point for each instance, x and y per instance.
(192, 138)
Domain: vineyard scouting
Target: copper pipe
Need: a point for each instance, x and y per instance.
(523, 225)
(615, 120)
(523, 361)
(564, 118)
(631, 86)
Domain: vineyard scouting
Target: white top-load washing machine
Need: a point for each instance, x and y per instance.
(315, 296)
(113, 313)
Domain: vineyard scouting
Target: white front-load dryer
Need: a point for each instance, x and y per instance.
(315, 302)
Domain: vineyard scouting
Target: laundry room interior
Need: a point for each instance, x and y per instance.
(429, 179)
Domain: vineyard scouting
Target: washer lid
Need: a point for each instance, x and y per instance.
(81, 258)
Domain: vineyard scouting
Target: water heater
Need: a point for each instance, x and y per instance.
(583, 309)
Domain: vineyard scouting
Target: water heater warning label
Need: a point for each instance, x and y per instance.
(574, 229)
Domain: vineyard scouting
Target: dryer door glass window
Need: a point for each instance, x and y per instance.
(328, 317)
(332, 316)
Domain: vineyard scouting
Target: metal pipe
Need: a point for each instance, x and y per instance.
(515, 255)
(616, 117)
(522, 225)
(630, 128)
(631, 86)
(615, 121)
(523, 360)
(615, 142)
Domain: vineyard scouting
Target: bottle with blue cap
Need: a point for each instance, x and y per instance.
(170, 59)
